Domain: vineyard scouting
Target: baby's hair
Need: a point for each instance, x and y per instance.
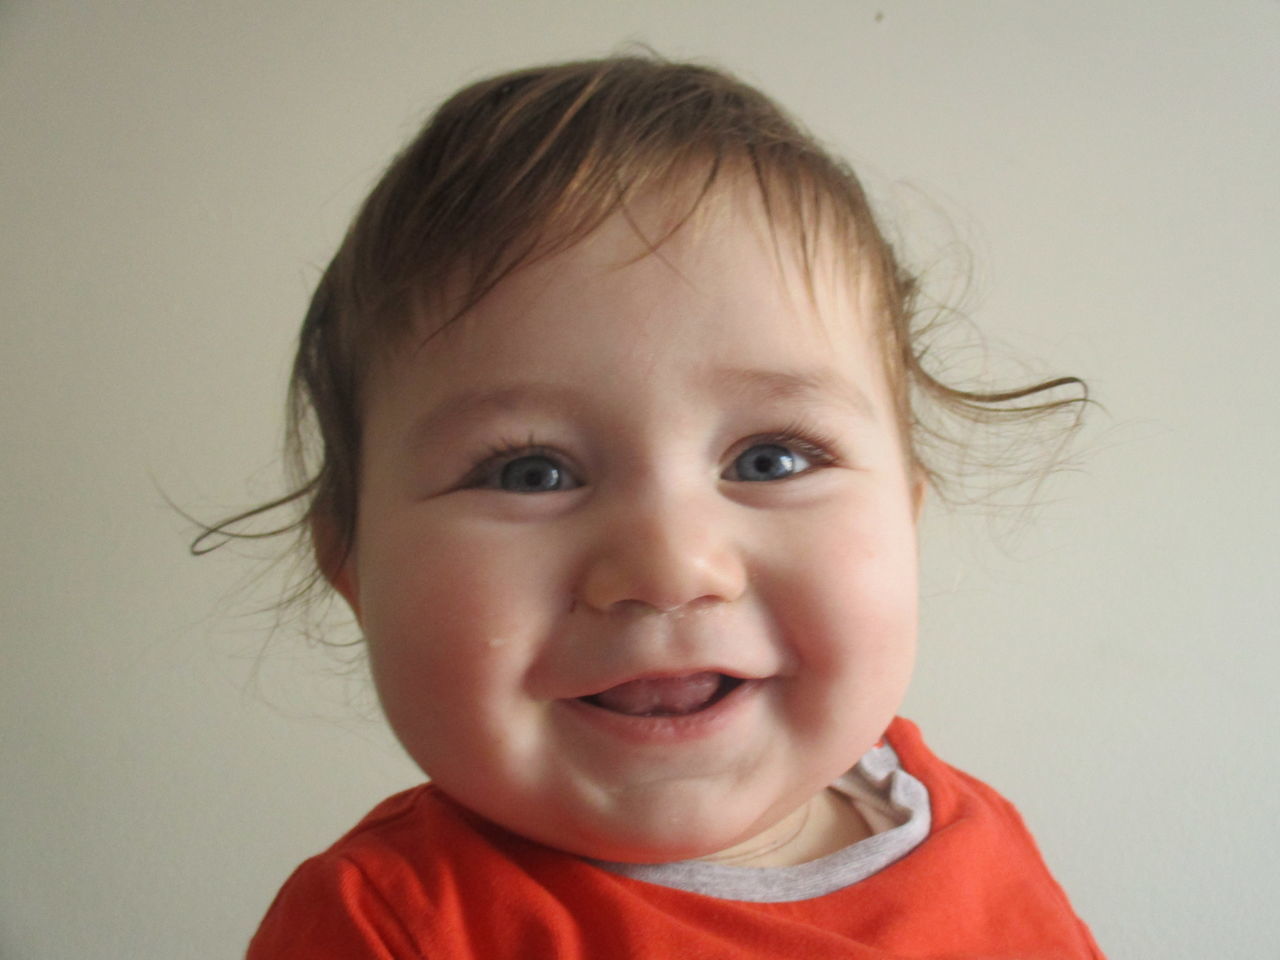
(517, 167)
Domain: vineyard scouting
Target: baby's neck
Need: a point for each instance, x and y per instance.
(829, 822)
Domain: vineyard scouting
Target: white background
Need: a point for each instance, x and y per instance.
(173, 174)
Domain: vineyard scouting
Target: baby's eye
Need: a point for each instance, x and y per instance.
(521, 468)
(768, 461)
(534, 473)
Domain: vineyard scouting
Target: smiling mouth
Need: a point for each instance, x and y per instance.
(665, 696)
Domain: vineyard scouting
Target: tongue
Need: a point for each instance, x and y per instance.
(660, 695)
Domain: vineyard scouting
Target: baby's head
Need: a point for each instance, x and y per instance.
(518, 166)
(613, 376)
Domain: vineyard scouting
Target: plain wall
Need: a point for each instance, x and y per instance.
(173, 175)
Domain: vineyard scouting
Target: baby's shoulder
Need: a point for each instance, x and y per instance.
(393, 879)
(418, 830)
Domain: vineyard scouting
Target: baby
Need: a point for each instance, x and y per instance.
(615, 378)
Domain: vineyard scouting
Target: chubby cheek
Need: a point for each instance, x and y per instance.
(448, 620)
(849, 611)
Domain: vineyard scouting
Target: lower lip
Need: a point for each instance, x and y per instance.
(668, 730)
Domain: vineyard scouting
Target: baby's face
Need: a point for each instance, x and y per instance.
(636, 556)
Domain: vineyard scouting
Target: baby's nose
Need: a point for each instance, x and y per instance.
(661, 556)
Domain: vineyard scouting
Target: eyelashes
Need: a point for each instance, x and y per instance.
(530, 466)
(818, 448)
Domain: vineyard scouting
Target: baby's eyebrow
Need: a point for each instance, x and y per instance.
(808, 386)
(761, 386)
(471, 405)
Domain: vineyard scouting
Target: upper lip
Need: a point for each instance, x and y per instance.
(675, 674)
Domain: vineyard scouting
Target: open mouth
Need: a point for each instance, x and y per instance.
(665, 696)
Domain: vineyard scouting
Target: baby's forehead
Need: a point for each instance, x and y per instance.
(720, 301)
(660, 240)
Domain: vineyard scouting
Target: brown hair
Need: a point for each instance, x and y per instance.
(518, 166)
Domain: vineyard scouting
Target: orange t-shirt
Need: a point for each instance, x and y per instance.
(421, 877)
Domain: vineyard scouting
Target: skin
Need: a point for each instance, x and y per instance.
(638, 382)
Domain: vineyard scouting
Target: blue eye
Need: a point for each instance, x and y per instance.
(534, 473)
(768, 461)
